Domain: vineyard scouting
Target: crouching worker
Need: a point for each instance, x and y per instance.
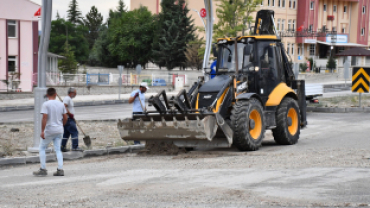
(70, 128)
(53, 117)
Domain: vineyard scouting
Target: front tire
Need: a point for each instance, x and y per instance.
(248, 124)
(287, 122)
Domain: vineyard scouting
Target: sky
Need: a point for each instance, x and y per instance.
(84, 6)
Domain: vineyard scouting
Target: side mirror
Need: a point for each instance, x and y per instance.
(229, 59)
(214, 50)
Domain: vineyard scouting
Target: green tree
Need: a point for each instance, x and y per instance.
(233, 17)
(76, 39)
(69, 64)
(93, 21)
(194, 54)
(58, 16)
(74, 14)
(100, 54)
(121, 8)
(131, 37)
(175, 31)
(332, 64)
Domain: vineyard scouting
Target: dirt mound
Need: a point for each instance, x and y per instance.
(161, 148)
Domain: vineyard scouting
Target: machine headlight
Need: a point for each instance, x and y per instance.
(252, 68)
(256, 68)
(242, 87)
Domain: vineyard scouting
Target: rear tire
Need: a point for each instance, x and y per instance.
(287, 113)
(246, 138)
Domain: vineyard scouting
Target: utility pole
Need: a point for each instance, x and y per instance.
(40, 91)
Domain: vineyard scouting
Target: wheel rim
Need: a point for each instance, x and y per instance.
(292, 114)
(256, 131)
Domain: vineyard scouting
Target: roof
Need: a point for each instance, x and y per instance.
(355, 52)
(53, 55)
(343, 44)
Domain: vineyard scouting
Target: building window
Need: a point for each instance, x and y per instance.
(310, 28)
(12, 64)
(335, 8)
(343, 30)
(345, 9)
(283, 3)
(312, 49)
(363, 9)
(362, 31)
(294, 4)
(271, 2)
(279, 3)
(323, 28)
(334, 29)
(261, 3)
(282, 25)
(292, 48)
(278, 25)
(288, 48)
(299, 50)
(293, 25)
(289, 25)
(290, 3)
(12, 29)
(311, 5)
(324, 7)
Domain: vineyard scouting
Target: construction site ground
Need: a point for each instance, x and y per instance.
(328, 167)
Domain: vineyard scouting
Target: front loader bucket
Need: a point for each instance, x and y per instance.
(182, 128)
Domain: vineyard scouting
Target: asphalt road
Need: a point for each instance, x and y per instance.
(329, 167)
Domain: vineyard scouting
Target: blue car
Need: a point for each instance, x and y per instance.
(159, 82)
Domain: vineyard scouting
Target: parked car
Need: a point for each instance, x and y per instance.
(159, 82)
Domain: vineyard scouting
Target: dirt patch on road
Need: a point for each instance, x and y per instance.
(161, 148)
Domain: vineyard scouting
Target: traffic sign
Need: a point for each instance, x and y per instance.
(203, 12)
(360, 79)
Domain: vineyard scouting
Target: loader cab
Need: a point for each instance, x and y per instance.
(259, 59)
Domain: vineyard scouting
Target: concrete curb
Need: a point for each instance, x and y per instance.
(338, 110)
(72, 155)
(77, 104)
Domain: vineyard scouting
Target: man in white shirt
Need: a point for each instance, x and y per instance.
(137, 97)
(53, 118)
(70, 128)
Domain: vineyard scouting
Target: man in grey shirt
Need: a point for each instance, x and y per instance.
(53, 118)
(70, 128)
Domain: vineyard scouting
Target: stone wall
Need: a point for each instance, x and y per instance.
(101, 132)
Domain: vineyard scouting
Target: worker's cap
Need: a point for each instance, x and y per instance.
(144, 84)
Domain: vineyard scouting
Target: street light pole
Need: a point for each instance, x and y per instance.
(40, 91)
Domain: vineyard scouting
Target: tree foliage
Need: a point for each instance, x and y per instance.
(175, 30)
(121, 9)
(69, 64)
(194, 54)
(93, 21)
(76, 39)
(233, 17)
(74, 14)
(332, 64)
(131, 36)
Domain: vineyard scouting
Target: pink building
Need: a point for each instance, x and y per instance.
(18, 43)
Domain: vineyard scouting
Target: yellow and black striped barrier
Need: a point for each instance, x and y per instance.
(360, 79)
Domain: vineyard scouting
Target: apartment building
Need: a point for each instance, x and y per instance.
(18, 42)
(348, 18)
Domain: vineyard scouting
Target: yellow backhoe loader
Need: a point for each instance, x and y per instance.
(254, 89)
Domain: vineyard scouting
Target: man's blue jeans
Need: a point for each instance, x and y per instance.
(70, 130)
(44, 143)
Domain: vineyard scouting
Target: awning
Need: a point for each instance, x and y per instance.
(343, 44)
(354, 52)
